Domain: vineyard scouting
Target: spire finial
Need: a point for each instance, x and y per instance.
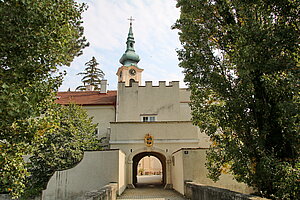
(130, 58)
(131, 19)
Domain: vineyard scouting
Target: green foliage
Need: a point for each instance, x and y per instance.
(36, 36)
(64, 132)
(19, 105)
(92, 75)
(241, 62)
(14, 172)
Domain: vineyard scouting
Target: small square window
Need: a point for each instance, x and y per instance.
(148, 118)
(151, 119)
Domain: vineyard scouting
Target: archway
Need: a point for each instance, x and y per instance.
(149, 172)
(136, 159)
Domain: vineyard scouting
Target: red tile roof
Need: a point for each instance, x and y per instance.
(87, 98)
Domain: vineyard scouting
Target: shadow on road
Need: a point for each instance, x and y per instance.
(149, 181)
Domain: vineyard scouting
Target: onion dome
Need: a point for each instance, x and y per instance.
(130, 58)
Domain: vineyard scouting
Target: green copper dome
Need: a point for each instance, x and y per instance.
(130, 57)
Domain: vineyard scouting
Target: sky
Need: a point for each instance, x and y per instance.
(106, 28)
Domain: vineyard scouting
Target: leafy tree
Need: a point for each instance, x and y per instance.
(64, 132)
(36, 36)
(92, 75)
(241, 62)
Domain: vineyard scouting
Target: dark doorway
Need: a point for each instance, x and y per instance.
(161, 182)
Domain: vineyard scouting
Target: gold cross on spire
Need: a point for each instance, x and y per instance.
(131, 19)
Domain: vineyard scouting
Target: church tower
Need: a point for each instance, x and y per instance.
(129, 72)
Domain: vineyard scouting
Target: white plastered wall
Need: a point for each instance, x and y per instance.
(97, 169)
(122, 172)
(166, 102)
(177, 172)
(169, 136)
(102, 115)
(193, 167)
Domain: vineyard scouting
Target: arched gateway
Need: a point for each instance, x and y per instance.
(134, 158)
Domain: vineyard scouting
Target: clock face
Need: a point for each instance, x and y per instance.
(132, 72)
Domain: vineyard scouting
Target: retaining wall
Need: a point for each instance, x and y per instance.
(96, 169)
(8, 197)
(108, 192)
(188, 165)
(196, 191)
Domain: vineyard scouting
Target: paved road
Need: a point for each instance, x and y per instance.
(150, 189)
(149, 179)
(150, 194)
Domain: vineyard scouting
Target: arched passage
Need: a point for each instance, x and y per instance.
(136, 159)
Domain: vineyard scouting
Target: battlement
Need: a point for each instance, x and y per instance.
(164, 100)
(148, 84)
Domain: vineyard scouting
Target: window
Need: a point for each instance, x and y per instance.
(149, 118)
(131, 81)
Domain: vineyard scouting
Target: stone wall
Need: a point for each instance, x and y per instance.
(4, 197)
(8, 197)
(108, 192)
(196, 191)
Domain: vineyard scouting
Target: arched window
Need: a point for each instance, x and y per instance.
(131, 81)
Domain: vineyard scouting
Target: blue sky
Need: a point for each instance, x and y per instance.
(106, 28)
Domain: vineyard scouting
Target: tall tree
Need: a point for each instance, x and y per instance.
(36, 37)
(241, 62)
(92, 75)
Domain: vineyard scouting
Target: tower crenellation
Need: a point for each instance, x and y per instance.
(149, 84)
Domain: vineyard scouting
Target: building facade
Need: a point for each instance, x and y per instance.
(142, 120)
